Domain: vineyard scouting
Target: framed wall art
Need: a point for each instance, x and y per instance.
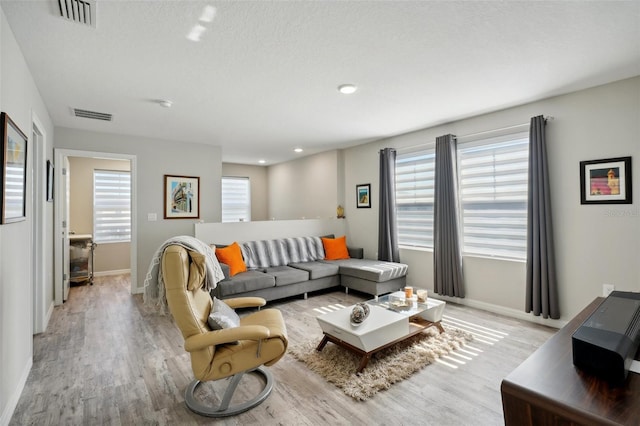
(606, 181)
(363, 194)
(181, 197)
(49, 180)
(14, 171)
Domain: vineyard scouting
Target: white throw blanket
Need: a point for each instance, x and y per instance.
(154, 293)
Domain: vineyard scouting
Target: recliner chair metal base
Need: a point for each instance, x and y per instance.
(224, 410)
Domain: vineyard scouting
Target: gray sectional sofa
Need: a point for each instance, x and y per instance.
(287, 267)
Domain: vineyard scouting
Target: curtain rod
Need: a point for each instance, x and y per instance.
(468, 135)
(547, 118)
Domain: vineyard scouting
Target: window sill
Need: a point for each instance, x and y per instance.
(416, 248)
(476, 256)
(499, 258)
(112, 242)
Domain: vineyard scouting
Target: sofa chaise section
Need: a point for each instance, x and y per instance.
(374, 277)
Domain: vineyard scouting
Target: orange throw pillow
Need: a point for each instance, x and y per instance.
(232, 256)
(335, 248)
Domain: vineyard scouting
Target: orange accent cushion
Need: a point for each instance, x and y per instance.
(335, 248)
(232, 256)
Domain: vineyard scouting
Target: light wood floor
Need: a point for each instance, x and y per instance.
(105, 359)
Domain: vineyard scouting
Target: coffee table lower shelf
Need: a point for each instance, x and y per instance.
(416, 325)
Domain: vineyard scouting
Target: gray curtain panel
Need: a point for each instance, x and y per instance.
(447, 256)
(542, 287)
(387, 228)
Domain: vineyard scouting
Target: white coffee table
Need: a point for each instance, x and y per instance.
(386, 325)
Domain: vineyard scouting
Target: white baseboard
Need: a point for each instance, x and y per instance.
(12, 403)
(497, 309)
(114, 272)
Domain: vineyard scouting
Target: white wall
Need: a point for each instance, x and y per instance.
(259, 186)
(19, 98)
(595, 244)
(155, 158)
(305, 188)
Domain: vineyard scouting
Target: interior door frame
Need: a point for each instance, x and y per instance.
(64, 203)
(42, 302)
(60, 154)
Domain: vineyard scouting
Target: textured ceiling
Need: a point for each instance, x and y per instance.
(263, 78)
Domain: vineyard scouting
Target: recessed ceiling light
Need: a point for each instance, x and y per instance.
(298, 150)
(208, 13)
(165, 103)
(262, 161)
(196, 32)
(347, 89)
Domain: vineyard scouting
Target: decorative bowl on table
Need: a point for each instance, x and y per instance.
(399, 303)
(359, 313)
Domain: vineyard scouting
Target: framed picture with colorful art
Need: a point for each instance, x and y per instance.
(606, 181)
(14, 171)
(363, 196)
(181, 197)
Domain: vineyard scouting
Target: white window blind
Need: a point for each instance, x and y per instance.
(14, 190)
(493, 194)
(414, 197)
(236, 199)
(111, 206)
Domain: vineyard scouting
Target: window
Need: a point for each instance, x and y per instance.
(236, 199)
(493, 195)
(111, 206)
(414, 197)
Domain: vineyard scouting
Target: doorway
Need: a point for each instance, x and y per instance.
(63, 227)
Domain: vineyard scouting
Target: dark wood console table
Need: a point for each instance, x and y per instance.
(547, 389)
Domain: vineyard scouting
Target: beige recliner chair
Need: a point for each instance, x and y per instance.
(261, 338)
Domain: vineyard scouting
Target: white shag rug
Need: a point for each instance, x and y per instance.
(338, 365)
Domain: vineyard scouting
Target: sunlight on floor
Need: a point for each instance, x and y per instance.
(480, 333)
(481, 336)
(329, 308)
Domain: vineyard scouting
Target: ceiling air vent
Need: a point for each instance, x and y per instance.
(92, 114)
(80, 11)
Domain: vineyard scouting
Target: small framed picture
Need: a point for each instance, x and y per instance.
(49, 180)
(14, 171)
(363, 196)
(181, 197)
(606, 181)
